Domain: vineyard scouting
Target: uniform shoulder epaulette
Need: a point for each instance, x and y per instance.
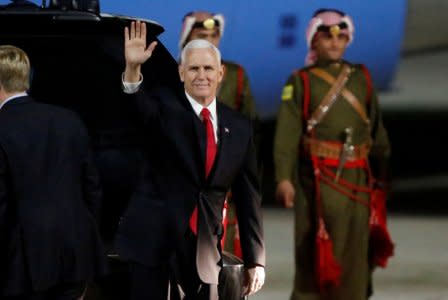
(232, 65)
(305, 69)
(358, 66)
(363, 68)
(296, 72)
(288, 89)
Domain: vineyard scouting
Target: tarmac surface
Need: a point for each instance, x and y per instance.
(418, 270)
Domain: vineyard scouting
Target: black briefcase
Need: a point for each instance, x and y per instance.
(231, 278)
(116, 286)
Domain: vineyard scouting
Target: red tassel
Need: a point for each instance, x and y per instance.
(328, 270)
(380, 241)
(225, 222)
(381, 245)
(236, 243)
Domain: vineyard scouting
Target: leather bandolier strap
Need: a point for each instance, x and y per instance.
(330, 98)
(354, 102)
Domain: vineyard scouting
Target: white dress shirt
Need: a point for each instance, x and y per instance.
(12, 97)
(197, 107)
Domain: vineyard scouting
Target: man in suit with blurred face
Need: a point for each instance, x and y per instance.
(49, 194)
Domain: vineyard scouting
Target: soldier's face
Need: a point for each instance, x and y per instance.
(331, 47)
(211, 35)
(201, 73)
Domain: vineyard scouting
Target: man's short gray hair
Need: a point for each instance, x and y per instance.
(199, 44)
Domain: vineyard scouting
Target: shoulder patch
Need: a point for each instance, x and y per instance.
(287, 92)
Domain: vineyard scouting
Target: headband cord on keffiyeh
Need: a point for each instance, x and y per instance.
(326, 18)
(190, 20)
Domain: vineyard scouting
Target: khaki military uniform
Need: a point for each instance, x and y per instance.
(347, 221)
(234, 91)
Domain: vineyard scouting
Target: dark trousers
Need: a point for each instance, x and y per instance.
(67, 291)
(152, 282)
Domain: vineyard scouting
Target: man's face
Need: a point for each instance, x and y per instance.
(201, 73)
(328, 46)
(211, 35)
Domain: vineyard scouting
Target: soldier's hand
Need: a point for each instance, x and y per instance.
(253, 280)
(135, 50)
(285, 193)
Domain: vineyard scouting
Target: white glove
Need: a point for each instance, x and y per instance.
(254, 280)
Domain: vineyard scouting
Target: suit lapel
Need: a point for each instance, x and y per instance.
(223, 142)
(200, 135)
(201, 144)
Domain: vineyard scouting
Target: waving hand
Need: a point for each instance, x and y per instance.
(136, 52)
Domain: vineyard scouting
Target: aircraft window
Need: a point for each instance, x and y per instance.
(288, 30)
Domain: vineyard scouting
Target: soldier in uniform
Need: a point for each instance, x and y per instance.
(234, 91)
(331, 153)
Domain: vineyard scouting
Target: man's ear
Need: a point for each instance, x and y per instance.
(181, 72)
(222, 71)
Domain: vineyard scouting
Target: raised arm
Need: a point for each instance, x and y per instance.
(135, 50)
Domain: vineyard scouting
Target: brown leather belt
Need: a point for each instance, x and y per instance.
(332, 150)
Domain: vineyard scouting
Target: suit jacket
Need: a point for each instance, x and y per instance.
(49, 199)
(174, 182)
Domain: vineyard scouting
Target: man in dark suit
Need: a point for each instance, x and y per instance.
(49, 194)
(201, 149)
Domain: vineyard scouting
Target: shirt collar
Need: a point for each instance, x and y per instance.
(197, 107)
(13, 97)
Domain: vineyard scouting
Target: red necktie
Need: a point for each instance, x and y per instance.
(210, 154)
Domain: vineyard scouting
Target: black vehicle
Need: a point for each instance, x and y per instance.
(77, 59)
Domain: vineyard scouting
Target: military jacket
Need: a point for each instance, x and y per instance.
(234, 90)
(291, 126)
